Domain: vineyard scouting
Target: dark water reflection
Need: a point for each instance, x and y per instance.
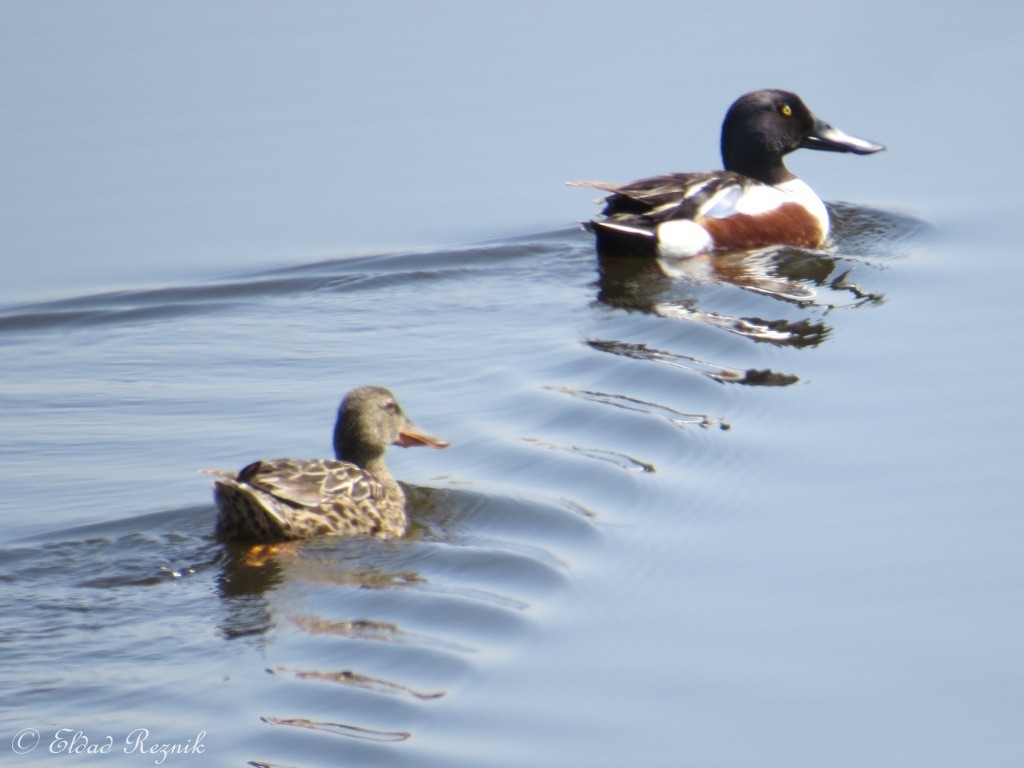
(804, 287)
(817, 281)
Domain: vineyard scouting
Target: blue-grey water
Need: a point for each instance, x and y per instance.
(744, 511)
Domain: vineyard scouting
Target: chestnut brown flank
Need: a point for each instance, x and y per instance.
(789, 224)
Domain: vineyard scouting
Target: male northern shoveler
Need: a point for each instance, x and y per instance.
(755, 202)
(284, 499)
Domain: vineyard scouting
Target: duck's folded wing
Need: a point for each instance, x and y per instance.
(669, 196)
(309, 483)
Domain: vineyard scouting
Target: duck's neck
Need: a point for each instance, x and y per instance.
(771, 171)
(380, 471)
(369, 460)
(755, 155)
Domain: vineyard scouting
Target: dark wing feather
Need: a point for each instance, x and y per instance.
(309, 483)
(661, 198)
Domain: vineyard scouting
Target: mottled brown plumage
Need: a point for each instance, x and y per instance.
(284, 499)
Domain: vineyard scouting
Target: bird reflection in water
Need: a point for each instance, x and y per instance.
(679, 288)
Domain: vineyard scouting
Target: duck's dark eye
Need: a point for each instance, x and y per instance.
(392, 406)
(786, 111)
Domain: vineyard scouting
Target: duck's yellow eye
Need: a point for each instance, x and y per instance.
(785, 110)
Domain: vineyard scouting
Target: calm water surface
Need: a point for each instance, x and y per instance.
(733, 512)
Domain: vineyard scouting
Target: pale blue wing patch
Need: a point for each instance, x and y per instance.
(748, 199)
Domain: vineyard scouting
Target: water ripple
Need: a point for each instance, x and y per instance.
(627, 403)
(338, 729)
(620, 460)
(356, 680)
(715, 372)
(332, 276)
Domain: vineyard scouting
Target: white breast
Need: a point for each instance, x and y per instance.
(798, 192)
(761, 198)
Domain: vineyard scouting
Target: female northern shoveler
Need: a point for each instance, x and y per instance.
(283, 499)
(755, 202)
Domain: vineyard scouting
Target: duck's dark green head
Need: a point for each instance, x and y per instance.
(762, 127)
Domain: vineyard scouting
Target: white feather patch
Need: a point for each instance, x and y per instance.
(679, 238)
(752, 199)
(760, 198)
(623, 228)
(757, 199)
(798, 192)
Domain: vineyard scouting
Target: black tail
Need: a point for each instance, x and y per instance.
(619, 241)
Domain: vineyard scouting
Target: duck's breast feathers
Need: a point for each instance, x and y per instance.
(308, 483)
(757, 215)
(789, 224)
